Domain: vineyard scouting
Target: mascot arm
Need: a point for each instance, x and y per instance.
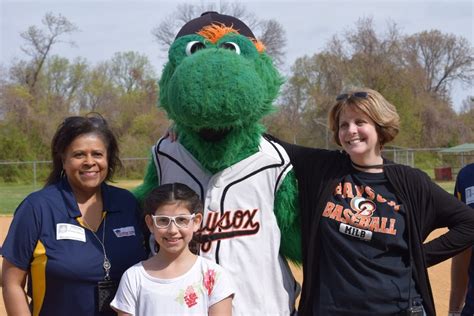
(150, 181)
(288, 217)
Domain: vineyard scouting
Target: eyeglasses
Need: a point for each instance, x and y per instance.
(344, 96)
(181, 221)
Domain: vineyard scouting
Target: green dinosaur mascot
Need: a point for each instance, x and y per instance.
(217, 85)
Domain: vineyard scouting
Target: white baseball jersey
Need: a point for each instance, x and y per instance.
(239, 224)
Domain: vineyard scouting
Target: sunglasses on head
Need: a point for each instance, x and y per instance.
(344, 96)
(181, 221)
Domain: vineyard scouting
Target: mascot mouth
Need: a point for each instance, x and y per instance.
(213, 135)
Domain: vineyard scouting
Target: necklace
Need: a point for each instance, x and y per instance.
(367, 166)
(106, 263)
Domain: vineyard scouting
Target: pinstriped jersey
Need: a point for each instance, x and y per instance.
(239, 229)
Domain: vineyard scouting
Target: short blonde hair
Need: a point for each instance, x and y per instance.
(383, 113)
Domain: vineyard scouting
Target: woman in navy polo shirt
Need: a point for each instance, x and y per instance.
(73, 239)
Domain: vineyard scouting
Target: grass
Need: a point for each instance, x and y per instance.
(12, 194)
(447, 185)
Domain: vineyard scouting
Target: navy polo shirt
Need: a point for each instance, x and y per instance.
(64, 260)
(464, 190)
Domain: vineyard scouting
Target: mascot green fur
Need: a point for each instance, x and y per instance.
(217, 85)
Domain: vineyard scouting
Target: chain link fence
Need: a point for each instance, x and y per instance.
(19, 178)
(35, 172)
(427, 159)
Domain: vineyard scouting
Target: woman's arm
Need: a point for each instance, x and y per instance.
(459, 280)
(14, 295)
(444, 210)
(222, 308)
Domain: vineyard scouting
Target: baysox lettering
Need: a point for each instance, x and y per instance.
(348, 190)
(229, 224)
(347, 216)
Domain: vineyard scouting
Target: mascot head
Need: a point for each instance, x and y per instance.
(217, 85)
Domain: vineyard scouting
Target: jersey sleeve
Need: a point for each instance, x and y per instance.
(223, 286)
(23, 236)
(125, 299)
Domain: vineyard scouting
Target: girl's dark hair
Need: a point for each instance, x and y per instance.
(172, 193)
(74, 126)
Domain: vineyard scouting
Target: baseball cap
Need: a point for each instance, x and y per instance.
(210, 17)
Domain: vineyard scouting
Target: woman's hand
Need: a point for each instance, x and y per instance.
(171, 133)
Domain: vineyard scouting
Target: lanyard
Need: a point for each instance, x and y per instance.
(106, 263)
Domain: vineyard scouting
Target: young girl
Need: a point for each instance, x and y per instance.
(174, 281)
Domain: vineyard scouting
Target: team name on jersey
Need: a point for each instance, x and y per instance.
(229, 224)
(349, 190)
(347, 216)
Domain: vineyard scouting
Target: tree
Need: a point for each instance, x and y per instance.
(443, 58)
(39, 43)
(467, 104)
(63, 81)
(269, 32)
(466, 117)
(363, 58)
(130, 71)
(98, 92)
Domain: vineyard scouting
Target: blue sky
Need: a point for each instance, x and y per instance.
(111, 26)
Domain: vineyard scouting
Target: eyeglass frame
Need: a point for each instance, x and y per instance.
(172, 219)
(358, 94)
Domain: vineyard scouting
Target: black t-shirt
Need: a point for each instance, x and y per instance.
(364, 259)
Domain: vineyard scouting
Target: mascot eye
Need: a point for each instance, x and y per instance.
(193, 47)
(231, 46)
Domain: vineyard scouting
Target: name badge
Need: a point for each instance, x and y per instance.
(124, 231)
(469, 195)
(71, 232)
(355, 232)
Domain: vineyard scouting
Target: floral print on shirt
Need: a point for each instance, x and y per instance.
(191, 294)
(190, 297)
(209, 280)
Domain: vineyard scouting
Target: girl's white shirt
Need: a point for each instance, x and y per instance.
(192, 293)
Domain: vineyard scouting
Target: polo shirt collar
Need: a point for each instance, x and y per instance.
(71, 203)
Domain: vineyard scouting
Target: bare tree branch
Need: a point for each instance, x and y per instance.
(39, 42)
(270, 32)
(444, 59)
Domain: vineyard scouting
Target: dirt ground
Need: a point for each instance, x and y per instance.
(439, 274)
